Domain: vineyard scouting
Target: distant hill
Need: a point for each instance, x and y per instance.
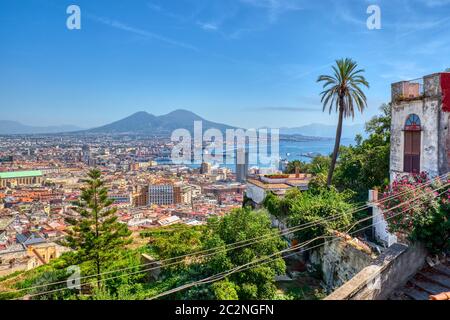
(13, 127)
(323, 130)
(146, 123)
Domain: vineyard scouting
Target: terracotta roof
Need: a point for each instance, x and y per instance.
(268, 186)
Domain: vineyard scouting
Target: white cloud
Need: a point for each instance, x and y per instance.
(147, 34)
(274, 7)
(208, 26)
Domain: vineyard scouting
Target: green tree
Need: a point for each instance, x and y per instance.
(239, 225)
(298, 208)
(292, 165)
(319, 164)
(96, 236)
(342, 90)
(365, 165)
(225, 290)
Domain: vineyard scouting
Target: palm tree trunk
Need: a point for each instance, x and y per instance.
(337, 144)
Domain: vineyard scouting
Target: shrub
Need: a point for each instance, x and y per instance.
(422, 213)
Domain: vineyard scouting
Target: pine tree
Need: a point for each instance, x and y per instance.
(96, 236)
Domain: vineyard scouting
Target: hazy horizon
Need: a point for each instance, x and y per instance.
(81, 127)
(246, 63)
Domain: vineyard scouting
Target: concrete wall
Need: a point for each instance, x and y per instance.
(435, 158)
(380, 228)
(444, 142)
(340, 261)
(428, 111)
(387, 273)
(255, 193)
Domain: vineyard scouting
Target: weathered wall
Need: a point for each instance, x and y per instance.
(435, 122)
(444, 142)
(428, 111)
(380, 227)
(255, 193)
(387, 273)
(340, 261)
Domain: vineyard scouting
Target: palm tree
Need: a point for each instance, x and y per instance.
(342, 90)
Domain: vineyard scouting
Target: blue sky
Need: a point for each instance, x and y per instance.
(247, 63)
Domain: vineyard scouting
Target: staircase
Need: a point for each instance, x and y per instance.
(429, 281)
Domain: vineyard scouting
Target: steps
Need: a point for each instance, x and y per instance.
(429, 281)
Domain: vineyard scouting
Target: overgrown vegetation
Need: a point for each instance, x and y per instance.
(298, 208)
(239, 225)
(425, 216)
(125, 277)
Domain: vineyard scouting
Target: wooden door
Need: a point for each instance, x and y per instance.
(412, 152)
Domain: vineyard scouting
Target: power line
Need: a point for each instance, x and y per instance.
(247, 266)
(362, 220)
(242, 243)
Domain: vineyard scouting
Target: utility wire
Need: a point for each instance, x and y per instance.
(247, 266)
(362, 220)
(246, 242)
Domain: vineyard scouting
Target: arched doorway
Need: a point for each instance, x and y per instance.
(412, 149)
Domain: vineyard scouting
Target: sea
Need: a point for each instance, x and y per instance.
(306, 150)
(290, 150)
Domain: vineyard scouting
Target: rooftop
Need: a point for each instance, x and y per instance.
(281, 182)
(20, 174)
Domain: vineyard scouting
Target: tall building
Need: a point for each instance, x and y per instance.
(242, 160)
(161, 194)
(205, 168)
(140, 196)
(164, 194)
(186, 195)
(420, 128)
(85, 154)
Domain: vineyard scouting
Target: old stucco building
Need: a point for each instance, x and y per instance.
(420, 134)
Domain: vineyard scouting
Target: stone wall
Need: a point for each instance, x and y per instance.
(380, 279)
(341, 260)
(428, 110)
(435, 124)
(444, 142)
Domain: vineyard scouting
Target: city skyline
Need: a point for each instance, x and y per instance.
(245, 63)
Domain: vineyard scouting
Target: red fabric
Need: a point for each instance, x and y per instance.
(445, 86)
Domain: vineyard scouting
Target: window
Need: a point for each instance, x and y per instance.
(413, 123)
(412, 144)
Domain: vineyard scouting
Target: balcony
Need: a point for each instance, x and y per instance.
(408, 90)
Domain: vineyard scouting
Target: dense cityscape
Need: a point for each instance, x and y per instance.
(42, 178)
(203, 152)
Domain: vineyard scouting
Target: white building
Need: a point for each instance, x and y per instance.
(420, 134)
(161, 194)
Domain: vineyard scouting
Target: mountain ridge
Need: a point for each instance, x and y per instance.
(8, 127)
(147, 123)
(143, 122)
